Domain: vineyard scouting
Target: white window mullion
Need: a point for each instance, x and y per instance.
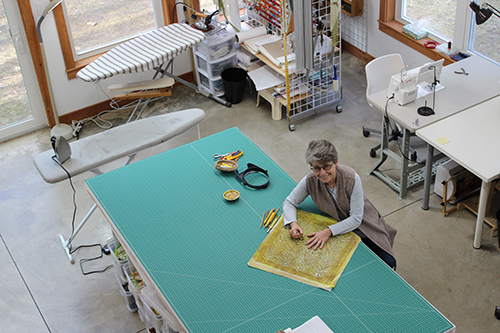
(462, 25)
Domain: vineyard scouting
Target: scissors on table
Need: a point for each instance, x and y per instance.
(229, 156)
(462, 72)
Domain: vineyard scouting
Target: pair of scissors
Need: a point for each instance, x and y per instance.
(221, 156)
(233, 156)
(462, 72)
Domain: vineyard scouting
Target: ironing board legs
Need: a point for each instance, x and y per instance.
(192, 86)
(67, 243)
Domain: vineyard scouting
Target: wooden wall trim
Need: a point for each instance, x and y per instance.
(93, 110)
(389, 25)
(62, 31)
(395, 30)
(36, 56)
(363, 56)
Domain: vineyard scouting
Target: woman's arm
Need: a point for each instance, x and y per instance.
(290, 205)
(355, 213)
(293, 201)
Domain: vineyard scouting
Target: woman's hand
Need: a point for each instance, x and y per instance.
(295, 230)
(318, 239)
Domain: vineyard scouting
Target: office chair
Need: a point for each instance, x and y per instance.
(378, 76)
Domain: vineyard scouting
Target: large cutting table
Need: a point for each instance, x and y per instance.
(192, 247)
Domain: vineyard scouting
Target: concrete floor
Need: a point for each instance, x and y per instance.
(42, 292)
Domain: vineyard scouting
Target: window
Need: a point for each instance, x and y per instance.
(439, 15)
(485, 38)
(88, 28)
(95, 24)
(453, 20)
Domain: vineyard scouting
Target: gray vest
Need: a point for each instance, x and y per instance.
(372, 225)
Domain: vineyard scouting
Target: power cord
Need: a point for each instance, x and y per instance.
(54, 158)
(101, 251)
(71, 250)
(194, 16)
(388, 123)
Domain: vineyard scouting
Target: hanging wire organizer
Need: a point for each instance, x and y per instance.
(305, 91)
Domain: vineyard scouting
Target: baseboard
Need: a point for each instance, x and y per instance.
(95, 109)
(92, 110)
(363, 56)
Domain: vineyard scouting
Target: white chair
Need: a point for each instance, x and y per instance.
(378, 76)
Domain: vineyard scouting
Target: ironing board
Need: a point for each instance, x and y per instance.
(107, 146)
(152, 50)
(93, 151)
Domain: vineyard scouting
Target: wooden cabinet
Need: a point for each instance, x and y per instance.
(352, 8)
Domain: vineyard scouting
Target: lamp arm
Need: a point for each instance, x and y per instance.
(495, 11)
(39, 29)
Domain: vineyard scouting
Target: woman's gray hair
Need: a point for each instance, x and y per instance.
(321, 151)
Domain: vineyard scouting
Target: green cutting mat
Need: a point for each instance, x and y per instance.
(195, 246)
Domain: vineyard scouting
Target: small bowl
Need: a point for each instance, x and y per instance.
(226, 165)
(231, 195)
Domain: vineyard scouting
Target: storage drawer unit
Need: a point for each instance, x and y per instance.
(214, 68)
(217, 46)
(214, 86)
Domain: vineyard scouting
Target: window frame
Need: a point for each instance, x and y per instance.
(389, 25)
(461, 30)
(74, 63)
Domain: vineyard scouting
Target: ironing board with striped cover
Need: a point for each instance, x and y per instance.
(143, 53)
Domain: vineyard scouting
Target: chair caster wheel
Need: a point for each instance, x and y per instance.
(366, 133)
(373, 153)
(339, 108)
(291, 127)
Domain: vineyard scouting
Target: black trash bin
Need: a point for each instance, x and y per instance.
(234, 81)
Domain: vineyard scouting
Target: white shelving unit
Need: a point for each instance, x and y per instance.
(320, 86)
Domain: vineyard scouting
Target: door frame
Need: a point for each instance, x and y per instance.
(21, 20)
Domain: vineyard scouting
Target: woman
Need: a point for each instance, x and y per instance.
(337, 191)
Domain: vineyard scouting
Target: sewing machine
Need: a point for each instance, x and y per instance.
(404, 86)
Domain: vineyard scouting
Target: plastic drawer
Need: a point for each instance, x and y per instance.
(213, 69)
(112, 244)
(127, 295)
(217, 46)
(135, 290)
(215, 86)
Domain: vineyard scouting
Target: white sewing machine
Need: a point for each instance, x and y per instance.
(404, 86)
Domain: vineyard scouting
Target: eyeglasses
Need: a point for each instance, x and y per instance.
(317, 169)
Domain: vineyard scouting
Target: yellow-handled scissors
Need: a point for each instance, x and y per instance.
(233, 156)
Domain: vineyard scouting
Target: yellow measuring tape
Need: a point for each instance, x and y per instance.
(284, 31)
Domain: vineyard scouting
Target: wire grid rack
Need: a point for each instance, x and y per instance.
(308, 90)
(355, 29)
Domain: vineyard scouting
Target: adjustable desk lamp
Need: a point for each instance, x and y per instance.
(484, 12)
(59, 129)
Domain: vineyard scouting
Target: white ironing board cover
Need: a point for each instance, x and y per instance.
(107, 146)
(143, 53)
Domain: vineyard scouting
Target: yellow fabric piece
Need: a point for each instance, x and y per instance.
(283, 255)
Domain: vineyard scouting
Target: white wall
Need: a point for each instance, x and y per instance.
(380, 43)
(75, 94)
